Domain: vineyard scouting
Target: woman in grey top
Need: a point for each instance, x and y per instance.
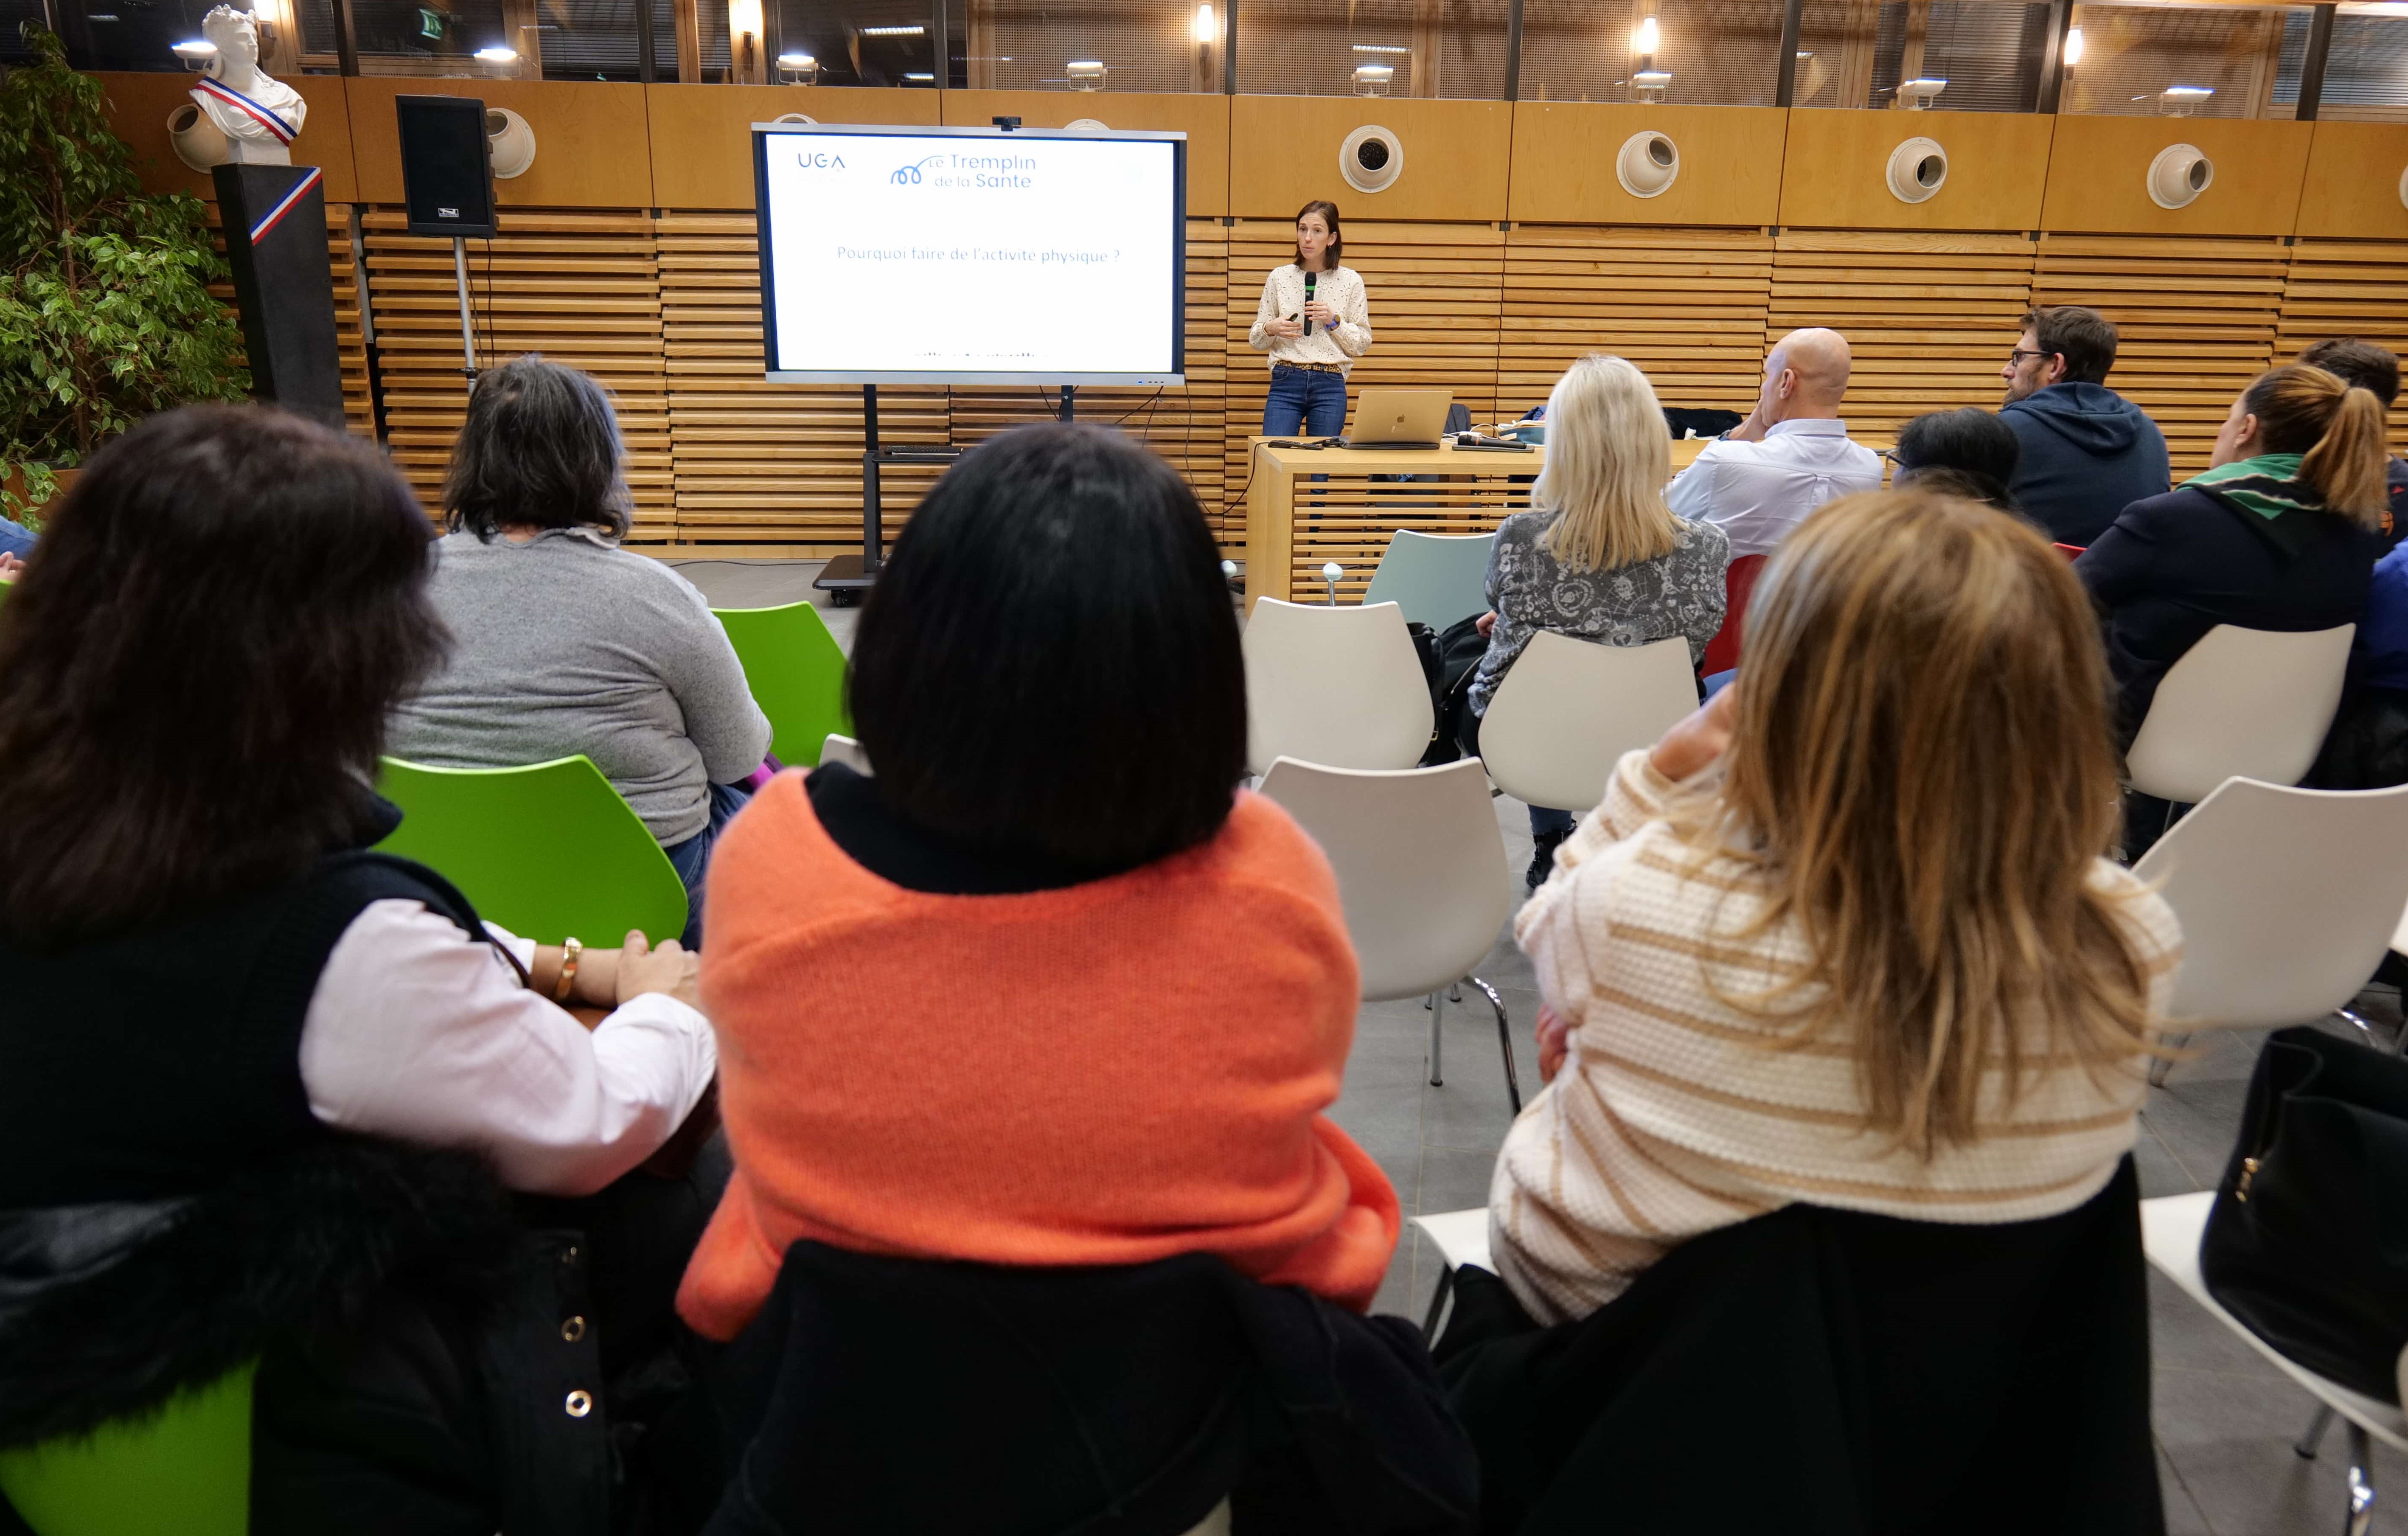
(562, 641)
(1600, 557)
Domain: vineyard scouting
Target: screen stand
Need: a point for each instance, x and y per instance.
(467, 330)
(845, 577)
(1069, 403)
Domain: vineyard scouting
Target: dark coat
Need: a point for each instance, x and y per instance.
(2174, 567)
(2086, 454)
(887, 1394)
(1828, 1372)
(406, 1321)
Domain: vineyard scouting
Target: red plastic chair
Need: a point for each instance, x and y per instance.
(2071, 552)
(1739, 580)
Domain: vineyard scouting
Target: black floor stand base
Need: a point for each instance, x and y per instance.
(844, 579)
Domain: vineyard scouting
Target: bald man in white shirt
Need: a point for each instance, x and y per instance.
(1792, 454)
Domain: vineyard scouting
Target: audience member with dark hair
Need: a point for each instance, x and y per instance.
(231, 1041)
(562, 641)
(2377, 370)
(1969, 452)
(2087, 451)
(2278, 533)
(1909, 984)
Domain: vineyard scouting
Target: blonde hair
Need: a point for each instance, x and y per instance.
(1921, 772)
(1609, 455)
(2337, 426)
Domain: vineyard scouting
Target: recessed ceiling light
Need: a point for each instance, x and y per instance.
(895, 32)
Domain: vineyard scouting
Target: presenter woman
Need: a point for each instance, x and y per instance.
(1315, 321)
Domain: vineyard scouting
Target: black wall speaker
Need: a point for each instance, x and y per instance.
(447, 175)
(275, 219)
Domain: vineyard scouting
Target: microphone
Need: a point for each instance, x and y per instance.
(1307, 298)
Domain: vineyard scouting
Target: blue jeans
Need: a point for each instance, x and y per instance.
(1301, 394)
(691, 858)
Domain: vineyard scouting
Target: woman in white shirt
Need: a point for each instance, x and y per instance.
(1315, 321)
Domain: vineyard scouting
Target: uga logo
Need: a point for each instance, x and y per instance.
(813, 160)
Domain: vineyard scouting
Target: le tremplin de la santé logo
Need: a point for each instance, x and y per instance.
(967, 170)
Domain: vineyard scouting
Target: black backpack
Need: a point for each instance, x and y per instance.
(1449, 662)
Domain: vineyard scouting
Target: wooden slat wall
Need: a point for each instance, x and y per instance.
(1686, 305)
(2347, 288)
(359, 414)
(2197, 318)
(580, 288)
(1930, 317)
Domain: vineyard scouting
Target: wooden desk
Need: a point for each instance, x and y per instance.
(1295, 525)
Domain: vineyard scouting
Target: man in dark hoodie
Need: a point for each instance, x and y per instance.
(2087, 451)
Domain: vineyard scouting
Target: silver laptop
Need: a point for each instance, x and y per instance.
(1399, 418)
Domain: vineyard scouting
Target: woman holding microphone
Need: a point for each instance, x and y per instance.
(1315, 321)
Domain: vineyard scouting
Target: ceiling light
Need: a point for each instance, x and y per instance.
(796, 61)
(1643, 39)
(2072, 47)
(1380, 48)
(1086, 74)
(1373, 79)
(1207, 28)
(498, 55)
(198, 48)
(919, 77)
(895, 32)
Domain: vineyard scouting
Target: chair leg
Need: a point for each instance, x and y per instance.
(2362, 1484)
(1437, 1079)
(1438, 1300)
(2162, 1065)
(2315, 1437)
(2365, 1031)
(1504, 1044)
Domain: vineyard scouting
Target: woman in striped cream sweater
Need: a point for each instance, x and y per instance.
(1847, 935)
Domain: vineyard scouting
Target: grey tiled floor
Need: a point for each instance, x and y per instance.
(2224, 1418)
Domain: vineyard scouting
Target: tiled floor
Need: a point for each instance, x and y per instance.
(2226, 1419)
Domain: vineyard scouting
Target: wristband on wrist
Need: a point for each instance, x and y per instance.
(570, 950)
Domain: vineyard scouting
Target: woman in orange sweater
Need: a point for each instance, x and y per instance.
(1047, 990)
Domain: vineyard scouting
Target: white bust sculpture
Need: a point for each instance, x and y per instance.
(259, 115)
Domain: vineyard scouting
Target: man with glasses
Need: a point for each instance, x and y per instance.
(2087, 451)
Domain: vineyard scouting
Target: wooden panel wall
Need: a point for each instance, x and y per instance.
(701, 136)
(1283, 153)
(1564, 157)
(2351, 166)
(1835, 170)
(593, 149)
(2347, 288)
(2098, 172)
(1686, 305)
(1205, 120)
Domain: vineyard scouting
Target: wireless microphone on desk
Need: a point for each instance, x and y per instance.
(1307, 298)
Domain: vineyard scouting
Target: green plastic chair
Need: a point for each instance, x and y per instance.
(546, 851)
(1437, 579)
(795, 670)
(185, 1470)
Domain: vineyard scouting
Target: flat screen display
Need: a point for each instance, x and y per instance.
(971, 256)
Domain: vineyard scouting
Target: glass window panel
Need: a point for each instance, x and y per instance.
(2132, 55)
(2366, 67)
(1329, 48)
(596, 39)
(1142, 45)
(1715, 52)
(1856, 54)
(131, 34)
(853, 42)
(429, 38)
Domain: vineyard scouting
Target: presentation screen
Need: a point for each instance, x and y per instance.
(971, 256)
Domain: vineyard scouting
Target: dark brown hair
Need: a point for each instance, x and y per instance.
(196, 667)
(2084, 338)
(2372, 368)
(2336, 426)
(1328, 212)
(1049, 664)
(541, 449)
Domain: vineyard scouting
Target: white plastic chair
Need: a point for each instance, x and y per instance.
(845, 750)
(1461, 1238)
(2287, 900)
(1437, 579)
(1568, 708)
(1336, 685)
(1420, 871)
(2241, 703)
(2170, 1230)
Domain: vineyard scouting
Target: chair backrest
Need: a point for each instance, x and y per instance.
(546, 851)
(185, 1468)
(1570, 708)
(795, 670)
(845, 750)
(1738, 585)
(2241, 703)
(2071, 552)
(1437, 579)
(2287, 900)
(1338, 685)
(1420, 862)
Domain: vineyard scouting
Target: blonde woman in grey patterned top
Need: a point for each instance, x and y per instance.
(1600, 557)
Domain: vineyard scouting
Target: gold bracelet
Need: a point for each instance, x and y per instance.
(569, 952)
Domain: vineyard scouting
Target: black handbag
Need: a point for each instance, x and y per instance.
(2307, 1242)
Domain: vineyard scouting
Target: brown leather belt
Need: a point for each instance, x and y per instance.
(1309, 367)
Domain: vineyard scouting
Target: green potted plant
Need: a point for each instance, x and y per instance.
(106, 313)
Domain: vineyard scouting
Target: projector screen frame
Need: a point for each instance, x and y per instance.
(763, 135)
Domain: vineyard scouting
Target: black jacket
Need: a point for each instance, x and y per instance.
(2086, 453)
(2176, 566)
(1828, 1372)
(877, 1395)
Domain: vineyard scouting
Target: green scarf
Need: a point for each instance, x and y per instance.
(2269, 486)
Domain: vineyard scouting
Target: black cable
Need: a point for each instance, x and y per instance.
(1146, 404)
